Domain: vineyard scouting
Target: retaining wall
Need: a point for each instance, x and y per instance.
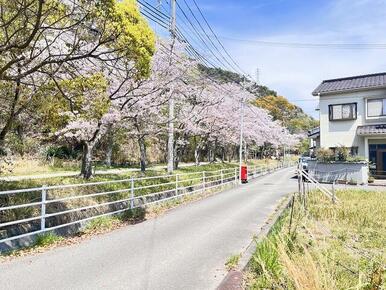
(340, 172)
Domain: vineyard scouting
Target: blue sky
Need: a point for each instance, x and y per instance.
(295, 72)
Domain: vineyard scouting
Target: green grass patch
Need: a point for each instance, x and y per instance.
(232, 262)
(104, 223)
(46, 240)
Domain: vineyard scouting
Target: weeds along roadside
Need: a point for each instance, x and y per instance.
(327, 247)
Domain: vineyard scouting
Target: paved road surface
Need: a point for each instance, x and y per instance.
(183, 249)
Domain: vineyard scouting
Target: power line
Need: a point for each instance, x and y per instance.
(157, 16)
(159, 13)
(310, 45)
(218, 40)
(207, 36)
(182, 32)
(200, 36)
(160, 18)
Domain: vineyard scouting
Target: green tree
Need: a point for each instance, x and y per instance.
(289, 114)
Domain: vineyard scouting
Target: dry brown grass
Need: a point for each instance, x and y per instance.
(330, 246)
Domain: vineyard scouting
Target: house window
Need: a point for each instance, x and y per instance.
(354, 151)
(343, 112)
(376, 107)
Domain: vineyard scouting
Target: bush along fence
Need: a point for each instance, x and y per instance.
(25, 213)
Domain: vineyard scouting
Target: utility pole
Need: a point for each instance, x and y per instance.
(258, 76)
(159, 5)
(241, 134)
(171, 97)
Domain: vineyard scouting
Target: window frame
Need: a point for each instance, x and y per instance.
(330, 112)
(383, 99)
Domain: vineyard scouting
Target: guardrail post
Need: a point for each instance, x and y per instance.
(132, 193)
(176, 184)
(236, 181)
(222, 176)
(43, 208)
(300, 175)
(203, 180)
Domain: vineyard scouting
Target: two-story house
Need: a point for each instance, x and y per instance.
(353, 114)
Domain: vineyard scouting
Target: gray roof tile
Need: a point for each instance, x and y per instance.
(371, 130)
(354, 83)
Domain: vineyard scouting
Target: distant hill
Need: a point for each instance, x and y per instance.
(289, 114)
(292, 116)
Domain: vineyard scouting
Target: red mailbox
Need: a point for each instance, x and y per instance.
(244, 174)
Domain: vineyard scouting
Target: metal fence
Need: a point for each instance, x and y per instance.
(34, 211)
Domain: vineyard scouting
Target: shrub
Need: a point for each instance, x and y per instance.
(22, 146)
(325, 155)
(342, 153)
(3, 152)
(134, 215)
(61, 152)
(47, 239)
(356, 159)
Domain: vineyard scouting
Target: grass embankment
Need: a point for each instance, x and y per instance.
(35, 166)
(329, 246)
(28, 166)
(14, 199)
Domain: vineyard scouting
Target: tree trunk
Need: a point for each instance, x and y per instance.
(109, 150)
(86, 171)
(12, 112)
(142, 151)
(209, 157)
(176, 159)
(197, 155)
(214, 152)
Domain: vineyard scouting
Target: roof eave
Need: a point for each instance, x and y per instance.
(316, 93)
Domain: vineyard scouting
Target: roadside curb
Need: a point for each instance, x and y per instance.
(234, 279)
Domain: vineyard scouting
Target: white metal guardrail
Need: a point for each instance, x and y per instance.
(46, 200)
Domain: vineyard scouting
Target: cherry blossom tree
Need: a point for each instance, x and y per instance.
(145, 115)
(38, 38)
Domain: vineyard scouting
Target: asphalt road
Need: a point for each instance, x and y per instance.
(183, 249)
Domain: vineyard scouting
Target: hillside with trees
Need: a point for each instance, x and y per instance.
(291, 116)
